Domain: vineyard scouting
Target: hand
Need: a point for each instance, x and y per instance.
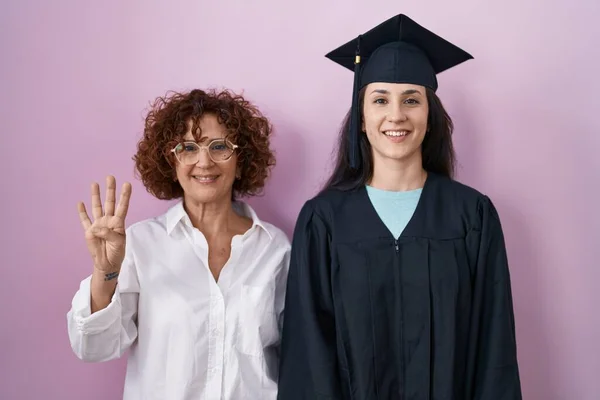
(105, 237)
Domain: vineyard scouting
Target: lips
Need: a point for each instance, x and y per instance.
(205, 178)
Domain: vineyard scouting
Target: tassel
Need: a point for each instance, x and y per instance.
(354, 134)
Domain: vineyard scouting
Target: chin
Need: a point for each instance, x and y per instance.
(401, 155)
(207, 196)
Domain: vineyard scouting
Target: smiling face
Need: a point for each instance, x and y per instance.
(395, 120)
(207, 181)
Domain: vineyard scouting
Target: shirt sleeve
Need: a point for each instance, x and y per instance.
(494, 368)
(280, 288)
(308, 365)
(108, 333)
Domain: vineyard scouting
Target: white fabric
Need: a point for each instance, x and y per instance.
(189, 336)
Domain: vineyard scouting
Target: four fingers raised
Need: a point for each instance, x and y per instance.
(109, 210)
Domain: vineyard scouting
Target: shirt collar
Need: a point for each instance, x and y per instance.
(177, 214)
(174, 215)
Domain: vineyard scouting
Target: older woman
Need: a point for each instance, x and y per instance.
(195, 294)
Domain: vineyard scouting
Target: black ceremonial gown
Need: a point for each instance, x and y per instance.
(426, 316)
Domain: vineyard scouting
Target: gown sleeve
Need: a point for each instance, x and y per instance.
(494, 368)
(308, 363)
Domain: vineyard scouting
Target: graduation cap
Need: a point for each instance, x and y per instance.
(396, 51)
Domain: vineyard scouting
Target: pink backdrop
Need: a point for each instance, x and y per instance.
(75, 79)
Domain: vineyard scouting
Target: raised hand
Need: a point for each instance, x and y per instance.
(105, 236)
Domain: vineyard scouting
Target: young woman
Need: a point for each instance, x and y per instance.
(399, 285)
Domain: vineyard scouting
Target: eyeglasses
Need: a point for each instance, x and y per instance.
(219, 150)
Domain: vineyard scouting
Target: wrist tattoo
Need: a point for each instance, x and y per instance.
(110, 276)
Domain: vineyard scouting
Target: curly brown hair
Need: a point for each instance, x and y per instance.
(167, 123)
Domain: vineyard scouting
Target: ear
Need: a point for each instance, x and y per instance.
(362, 126)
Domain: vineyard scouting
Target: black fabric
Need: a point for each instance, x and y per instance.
(400, 50)
(426, 316)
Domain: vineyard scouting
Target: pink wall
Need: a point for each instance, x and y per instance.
(78, 76)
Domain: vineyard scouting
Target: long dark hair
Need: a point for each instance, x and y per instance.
(437, 149)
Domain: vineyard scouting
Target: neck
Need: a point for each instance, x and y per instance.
(398, 175)
(211, 218)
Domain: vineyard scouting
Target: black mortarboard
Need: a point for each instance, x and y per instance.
(397, 51)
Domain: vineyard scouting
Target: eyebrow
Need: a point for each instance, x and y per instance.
(406, 92)
(203, 139)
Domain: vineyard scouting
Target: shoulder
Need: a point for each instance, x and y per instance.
(462, 199)
(145, 226)
(270, 244)
(278, 237)
(275, 237)
(332, 212)
(151, 228)
(329, 201)
(457, 191)
(324, 206)
(146, 238)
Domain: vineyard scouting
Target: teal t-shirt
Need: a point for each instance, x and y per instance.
(394, 208)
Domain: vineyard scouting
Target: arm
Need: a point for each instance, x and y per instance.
(495, 369)
(308, 367)
(106, 333)
(102, 289)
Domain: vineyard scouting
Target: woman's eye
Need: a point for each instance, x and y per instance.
(412, 101)
(380, 101)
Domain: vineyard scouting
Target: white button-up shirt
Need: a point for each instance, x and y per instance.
(189, 336)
